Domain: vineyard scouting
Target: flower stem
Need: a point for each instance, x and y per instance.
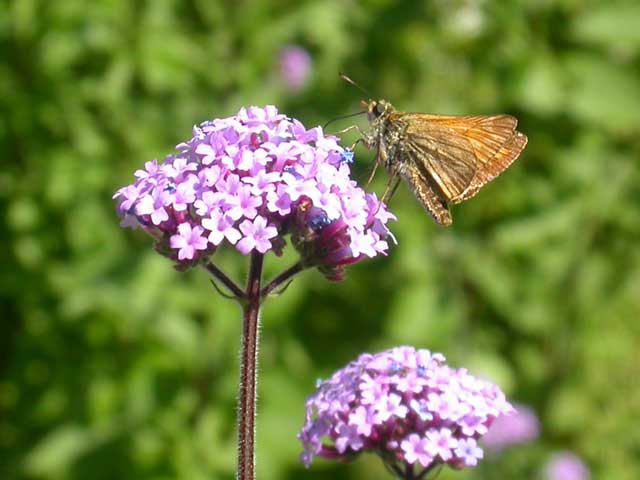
(285, 276)
(225, 280)
(248, 370)
(423, 474)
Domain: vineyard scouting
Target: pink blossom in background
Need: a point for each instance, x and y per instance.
(521, 427)
(295, 67)
(565, 466)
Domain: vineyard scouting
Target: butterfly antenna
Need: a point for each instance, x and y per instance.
(342, 117)
(348, 80)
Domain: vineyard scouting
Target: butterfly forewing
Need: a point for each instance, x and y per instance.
(463, 153)
(505, 156)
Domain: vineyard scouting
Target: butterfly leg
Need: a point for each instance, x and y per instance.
(373, 170)
(368, 140)
(390, 189)
(350, 128)
(360, 140)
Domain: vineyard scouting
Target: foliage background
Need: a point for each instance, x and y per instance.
(112, 365)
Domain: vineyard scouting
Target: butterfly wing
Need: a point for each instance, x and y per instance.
(427, 193)
(462, 153)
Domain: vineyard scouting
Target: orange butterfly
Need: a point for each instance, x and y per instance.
(443, 159)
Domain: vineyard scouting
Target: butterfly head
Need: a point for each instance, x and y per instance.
(377, 108)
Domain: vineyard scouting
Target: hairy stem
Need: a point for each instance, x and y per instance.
(225, 280)
(423, 474)
(281, 279)
(248, 370)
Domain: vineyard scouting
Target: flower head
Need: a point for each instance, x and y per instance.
(250, 180)
(405, 405)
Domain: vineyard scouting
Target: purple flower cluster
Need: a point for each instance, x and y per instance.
(407, 406)
(250, 179)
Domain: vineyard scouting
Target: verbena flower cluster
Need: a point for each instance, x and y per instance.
(250, 179)
(407, 406)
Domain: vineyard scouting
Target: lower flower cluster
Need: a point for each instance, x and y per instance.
(405, 405)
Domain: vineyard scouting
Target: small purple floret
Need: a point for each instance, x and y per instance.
(469, 452)
(188, 241)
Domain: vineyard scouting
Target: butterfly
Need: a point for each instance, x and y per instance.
(443, 159)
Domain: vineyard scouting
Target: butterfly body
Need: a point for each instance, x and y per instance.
(443, 159)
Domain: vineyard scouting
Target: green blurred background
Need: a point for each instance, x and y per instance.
(113, 365)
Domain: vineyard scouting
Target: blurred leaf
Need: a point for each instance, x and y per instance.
(613, 25)
(58, 450)
(602, 93)
(543, 88)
